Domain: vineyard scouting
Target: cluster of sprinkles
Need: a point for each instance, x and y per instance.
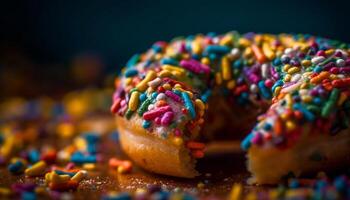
(26, 149)
(169, 85)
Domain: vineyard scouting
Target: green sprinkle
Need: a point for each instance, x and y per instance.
(128, 114)
(144, 106)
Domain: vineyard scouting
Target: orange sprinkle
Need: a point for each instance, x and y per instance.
(317, 79)
(195, 145)
(278, 128)
(161, 103)
(258, 53)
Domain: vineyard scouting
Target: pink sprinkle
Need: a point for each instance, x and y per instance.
(268, 83)
(173, 96)
(344, 69)
(257, 139)
(321, 53)
(195, 66)
(177, 132)
(167, 117)
(334, 70)
(152, 114)
(158, 120)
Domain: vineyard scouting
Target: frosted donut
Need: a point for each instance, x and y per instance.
(175, 97)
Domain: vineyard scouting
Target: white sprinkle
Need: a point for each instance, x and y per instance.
(317, 59)
(340, 63)
(296, 77)
(154, 83)
(235, 52)
(254, 88)
(288, 51)
(150, 107)
(265, 68)
(161, 96)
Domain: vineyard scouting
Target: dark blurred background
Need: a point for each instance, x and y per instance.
(49, 47)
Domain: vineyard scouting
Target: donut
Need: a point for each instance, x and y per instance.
(285, 96)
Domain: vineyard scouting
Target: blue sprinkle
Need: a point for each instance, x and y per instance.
(169, 61)
(130, 72)
(143, 97)
(91, 137)
(60, 172)
(146, 124)
(318, 69)
(309, 116)
(237, 64)
(15, 167)
(340, 184)
(114, 136)
(277, 62)
(28, 196)
(216, 49)
(294, 184)
(154, 95)
(206, 96)
(80, 158)
(133, 61)
(34, 156)
(157, 48)
(264, 90)
(188, 104)
(246, 143)
(267, 126)
(317, 101)
(278, 83)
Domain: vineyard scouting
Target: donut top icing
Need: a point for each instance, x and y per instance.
(305, 78)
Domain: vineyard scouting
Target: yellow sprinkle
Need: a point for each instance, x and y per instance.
(205, 61)
(36, 169)
(342, 98)
(286, 67)
(226, 68)
(244, 42)
(57, 179)
(231, 84)
(304, 86)
(178, 141)
(89, 166)
(177, 86)
(277, 90)
(218, 78)
(268, 51)
(290, 125)
(289, 100)
(333, 76)
(177, 74)
(128, 81)
(80, 175)
(329, 52)
(287, 78)
(306, 98)
(196, 48)
(293, 70)
(306, 63)
(226, 40)
(284, 116)
(199, 104)
(251, 196)
(248, 52)
(250, 61)
(167, 86)
(173, 68)
(165, 73)
(236, 192)
(158, 56)
(142, 86)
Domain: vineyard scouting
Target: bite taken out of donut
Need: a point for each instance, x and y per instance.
(287, 97)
